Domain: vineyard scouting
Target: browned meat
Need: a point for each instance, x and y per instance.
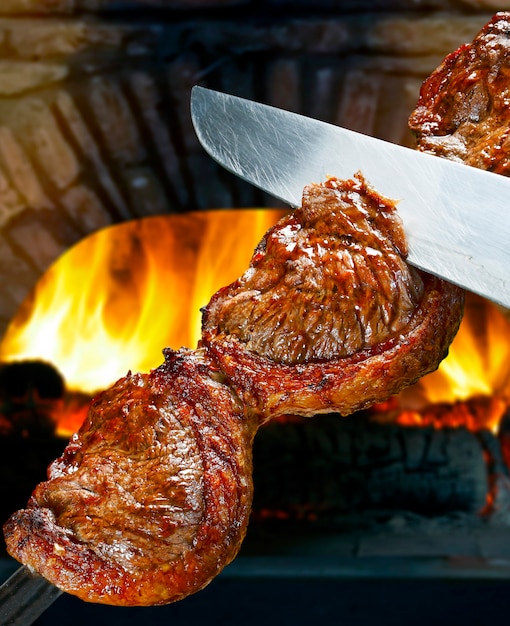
(329, 316)
(463, 111)
(152, 496)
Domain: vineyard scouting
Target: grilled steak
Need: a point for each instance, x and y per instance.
(152, 496)
(329, 316)
(462, 113)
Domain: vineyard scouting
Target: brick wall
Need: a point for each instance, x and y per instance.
(94, 102)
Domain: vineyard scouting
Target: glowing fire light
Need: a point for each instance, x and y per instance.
(112, 302)
(479, 358)
(477, 366)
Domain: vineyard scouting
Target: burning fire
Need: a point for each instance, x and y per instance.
(116, 299)
(113, 302)
(479, 358)
(472, 385)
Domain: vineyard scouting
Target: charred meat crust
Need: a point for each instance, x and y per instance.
(350, 383)
(151, 498)
(329, 316)
(462, 113)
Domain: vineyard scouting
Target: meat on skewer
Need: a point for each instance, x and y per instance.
(329, 316)
(152, 496)
(462, 113)
(151, 499)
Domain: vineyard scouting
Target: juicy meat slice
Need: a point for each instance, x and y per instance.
(152, 496)
(463, 112)
(328, 280)
(329, 316)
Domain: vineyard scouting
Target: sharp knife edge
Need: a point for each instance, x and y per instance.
(456, 217)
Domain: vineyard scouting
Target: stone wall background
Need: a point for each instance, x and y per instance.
(94, 101)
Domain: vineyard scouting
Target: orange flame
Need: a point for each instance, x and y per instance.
(477, 367)
(112, 302)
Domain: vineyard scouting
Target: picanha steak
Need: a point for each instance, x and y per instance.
(152, 496)
(329, 316)
(463, 110)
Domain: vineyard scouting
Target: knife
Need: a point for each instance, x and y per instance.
(456, 217)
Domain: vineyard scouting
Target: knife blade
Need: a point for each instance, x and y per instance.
(456, 217)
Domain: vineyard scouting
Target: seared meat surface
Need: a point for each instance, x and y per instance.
(329, 316)
(151, 498)
(463, 112)
(328, 280)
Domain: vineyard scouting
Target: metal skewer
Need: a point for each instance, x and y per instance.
(24, 596)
